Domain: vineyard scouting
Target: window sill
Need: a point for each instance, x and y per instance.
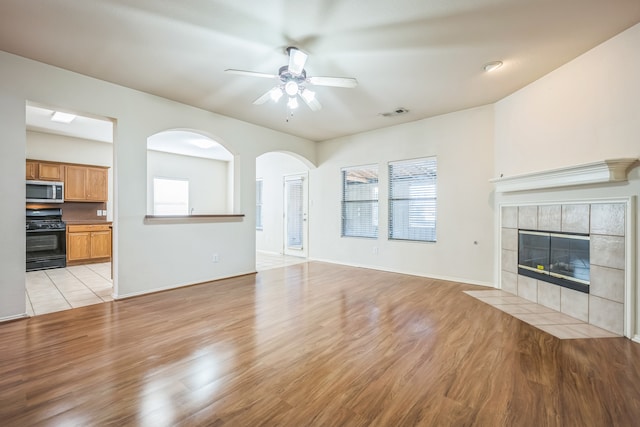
(192, 219)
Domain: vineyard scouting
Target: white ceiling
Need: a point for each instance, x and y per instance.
(423, 55)
(38, 118)
(186, 143)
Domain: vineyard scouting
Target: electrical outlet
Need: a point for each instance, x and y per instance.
(375, 250)
(215, 258)
(99, 213)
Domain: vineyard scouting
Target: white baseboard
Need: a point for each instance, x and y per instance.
(170, 287)
(16, 317)
(269, 252)
(636, 338)
(410, 273)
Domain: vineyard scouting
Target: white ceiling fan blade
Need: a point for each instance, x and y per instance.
(251, 73)
(347, 82)
(297, 59)
(264, 98)
(310, 99)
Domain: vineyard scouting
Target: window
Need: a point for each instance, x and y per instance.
(170, 196)
(412, 199)
(360, 201)
(259, 185)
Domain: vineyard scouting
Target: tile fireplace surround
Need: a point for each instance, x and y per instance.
(604, 305)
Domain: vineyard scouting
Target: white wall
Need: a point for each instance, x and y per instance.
(271, 168)
(60, 148)
(463, 144)
(587, 110)
(147, 257)
(207, 180)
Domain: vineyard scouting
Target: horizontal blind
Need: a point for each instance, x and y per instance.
(360, 201)
(412, 199)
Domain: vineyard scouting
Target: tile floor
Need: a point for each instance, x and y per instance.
(267, 261)
(64, 288)
(553, 322)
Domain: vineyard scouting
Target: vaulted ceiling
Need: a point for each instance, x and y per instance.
(423, 55)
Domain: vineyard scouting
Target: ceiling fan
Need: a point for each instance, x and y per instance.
(293, 81)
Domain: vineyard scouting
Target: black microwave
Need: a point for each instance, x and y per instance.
(45, 192)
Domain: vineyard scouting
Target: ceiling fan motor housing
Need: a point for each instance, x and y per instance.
(286, 77)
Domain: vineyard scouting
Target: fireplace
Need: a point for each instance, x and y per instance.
(558, 258)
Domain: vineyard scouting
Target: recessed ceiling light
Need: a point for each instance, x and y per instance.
(398, 111)
(61, 117)
(492, 66)
(203, 143)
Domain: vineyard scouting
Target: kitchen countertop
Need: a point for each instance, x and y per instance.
(86, 222)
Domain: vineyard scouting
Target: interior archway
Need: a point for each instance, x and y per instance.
(188, 173)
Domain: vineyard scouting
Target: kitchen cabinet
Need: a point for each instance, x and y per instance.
(85, 183)
(44, 171)
(87, 243)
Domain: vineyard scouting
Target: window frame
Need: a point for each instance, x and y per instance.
(420, 197)
(374, 202)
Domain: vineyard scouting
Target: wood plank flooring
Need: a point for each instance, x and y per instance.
(312, 344)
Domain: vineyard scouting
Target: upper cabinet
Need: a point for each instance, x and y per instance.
(85, 183)
(44, 171)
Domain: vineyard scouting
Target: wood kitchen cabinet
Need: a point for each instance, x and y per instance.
(44, 171)
(85, 183)
(88, 243)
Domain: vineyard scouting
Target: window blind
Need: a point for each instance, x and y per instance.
(412, 199)
(360, 201)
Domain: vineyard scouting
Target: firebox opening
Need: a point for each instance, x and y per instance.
(558, 258)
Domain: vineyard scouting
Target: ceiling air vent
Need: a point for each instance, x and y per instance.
(396, 112)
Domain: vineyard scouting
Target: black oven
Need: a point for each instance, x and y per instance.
(46, 239)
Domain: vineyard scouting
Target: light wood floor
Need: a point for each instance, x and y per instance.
(311, 344)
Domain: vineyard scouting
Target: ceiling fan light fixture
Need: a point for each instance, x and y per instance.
(292, 103)
(275, 94)
(308, 95)
(291, 88)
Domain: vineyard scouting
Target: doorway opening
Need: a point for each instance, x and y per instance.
(74, 150)
(282, 210)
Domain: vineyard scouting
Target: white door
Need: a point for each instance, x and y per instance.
(296, 230)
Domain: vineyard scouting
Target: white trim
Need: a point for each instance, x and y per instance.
(171, 287)
(631, 287)
(16, 317)
(636, 338)
(613, 170)
(408, 273)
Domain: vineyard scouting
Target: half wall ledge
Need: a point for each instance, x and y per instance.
(192, 219)
(613, 170)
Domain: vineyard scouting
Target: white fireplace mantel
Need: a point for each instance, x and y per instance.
(613, 170)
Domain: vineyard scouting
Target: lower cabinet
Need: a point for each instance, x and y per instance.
(88, 243)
